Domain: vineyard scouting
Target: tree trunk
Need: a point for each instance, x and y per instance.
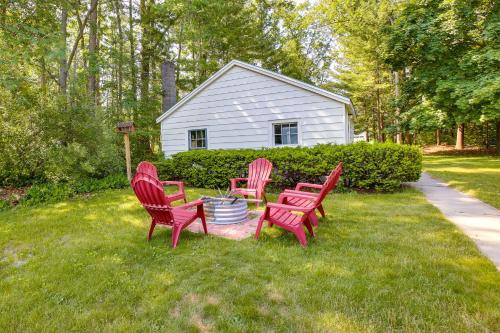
(120, 56)
(408, 138)
(145, 51)
(399, 136)
(168, 85)
(63, 64)
(438, 137)
(93, 84)
(498, 136)
(133, 70)
(460, 137)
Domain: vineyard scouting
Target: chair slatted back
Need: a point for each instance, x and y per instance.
(330, 183)
(150, 193)
(259, 171)
(148, 168)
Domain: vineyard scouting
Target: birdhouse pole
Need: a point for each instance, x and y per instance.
(125, 128)
(126, 140)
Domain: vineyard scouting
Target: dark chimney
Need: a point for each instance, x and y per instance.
(168, 85)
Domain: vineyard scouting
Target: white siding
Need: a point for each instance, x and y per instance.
(238, 110)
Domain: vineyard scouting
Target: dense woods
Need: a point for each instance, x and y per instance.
(417, 71)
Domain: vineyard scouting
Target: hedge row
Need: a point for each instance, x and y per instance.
(381, 167)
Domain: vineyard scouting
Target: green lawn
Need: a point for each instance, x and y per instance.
(380, 263)
(478, 176)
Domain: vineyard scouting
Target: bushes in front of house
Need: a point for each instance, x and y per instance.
(381, 167)
(54, 192)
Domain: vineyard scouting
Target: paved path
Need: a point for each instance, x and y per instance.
(478, 220)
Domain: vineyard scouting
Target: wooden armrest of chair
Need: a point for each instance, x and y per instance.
(190, 204)
(311, 194)
(289, 207)
(296, 195)
(234, 182)
(299, 186)
(179, 184)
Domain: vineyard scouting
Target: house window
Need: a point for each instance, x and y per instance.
(197, 139)
(285, 134)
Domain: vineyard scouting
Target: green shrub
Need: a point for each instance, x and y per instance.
(54, 192)
(381, 167)
(4, 204)
(47, 193)
(94, 185)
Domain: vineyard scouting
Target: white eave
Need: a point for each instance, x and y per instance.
(262, 71)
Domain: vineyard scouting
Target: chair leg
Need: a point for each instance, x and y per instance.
(185, 200)
(201, 214)
(313, 218)
(309, 227)
(301, 236)
(259, 226)
(176, 231)
(151, 228)
(321, 210)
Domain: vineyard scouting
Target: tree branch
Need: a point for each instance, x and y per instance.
(80, 33)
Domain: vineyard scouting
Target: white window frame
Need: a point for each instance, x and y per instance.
(285, 121)
(188, 138)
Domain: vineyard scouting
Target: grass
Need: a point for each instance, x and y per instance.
(478, 176)
(380, 263)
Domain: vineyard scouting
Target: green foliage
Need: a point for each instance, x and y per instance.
(379, 167)
(46, 193)
(54, 192)
(451, 50)
(4, 204)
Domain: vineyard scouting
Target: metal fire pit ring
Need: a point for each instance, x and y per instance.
(223, 210)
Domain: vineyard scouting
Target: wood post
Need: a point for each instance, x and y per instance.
(438, 137)
(126, 140)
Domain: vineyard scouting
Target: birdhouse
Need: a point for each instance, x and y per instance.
(125, 127)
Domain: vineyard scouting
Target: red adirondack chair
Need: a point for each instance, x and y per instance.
(258, 177)
(150, 169)
(283, 216)
(150, 193)
(312, 200)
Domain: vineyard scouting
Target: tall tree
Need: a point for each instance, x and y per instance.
(93, 83)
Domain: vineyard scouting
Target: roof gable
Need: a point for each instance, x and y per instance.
(259, 70)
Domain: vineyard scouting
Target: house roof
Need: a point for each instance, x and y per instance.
(274, 75)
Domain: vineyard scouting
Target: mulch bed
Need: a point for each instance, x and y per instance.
(450, 150)
(12, 195)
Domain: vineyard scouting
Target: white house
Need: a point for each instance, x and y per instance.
(245, 106)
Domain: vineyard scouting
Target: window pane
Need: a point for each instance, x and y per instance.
(286, 134)
(197, 139)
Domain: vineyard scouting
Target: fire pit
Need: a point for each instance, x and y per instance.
(225, 210)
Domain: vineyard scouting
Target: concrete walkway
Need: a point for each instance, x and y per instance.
(478, 220)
